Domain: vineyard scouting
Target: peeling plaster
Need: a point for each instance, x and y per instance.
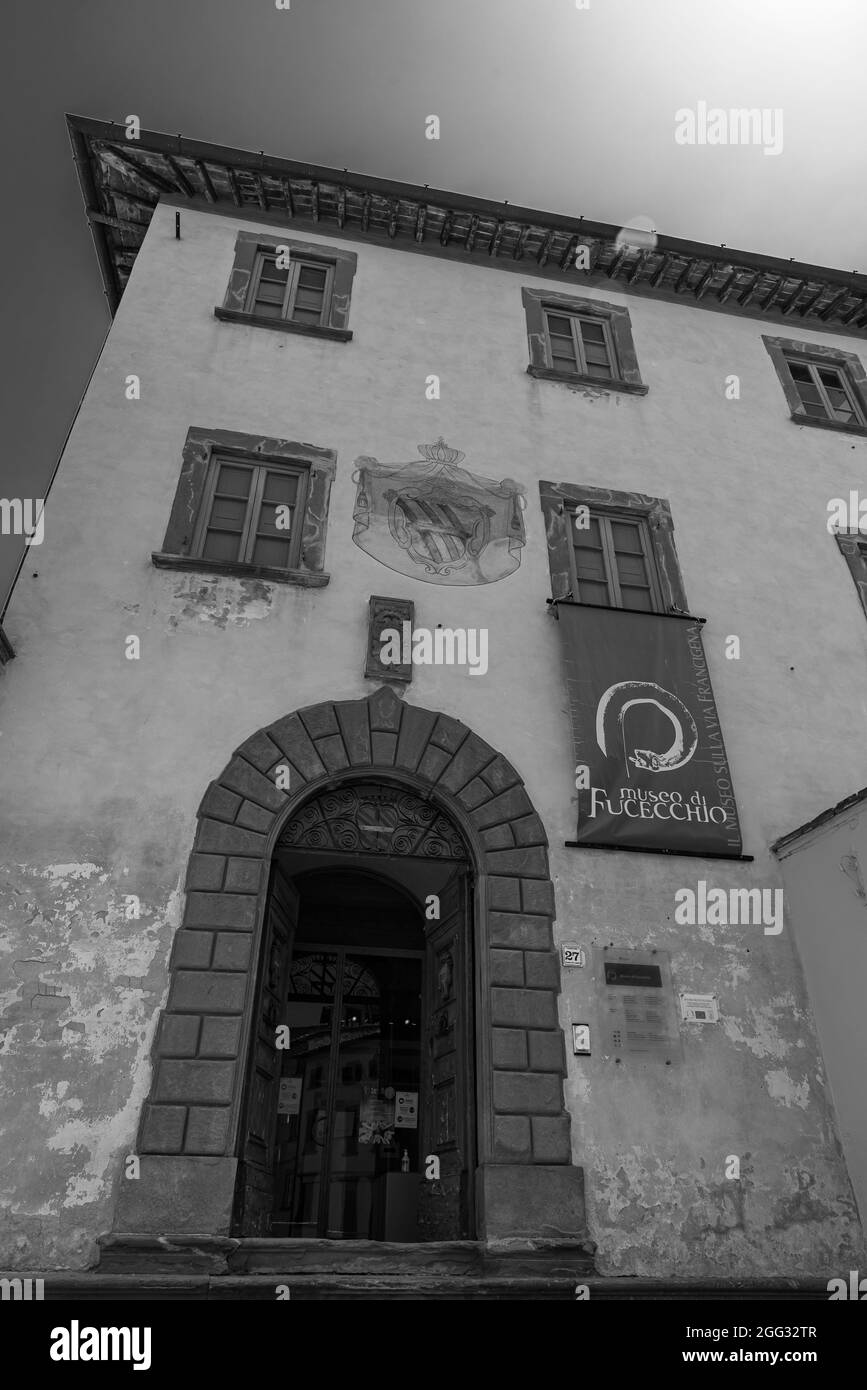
(781, 1087)
(66, 871)
(80, 991)
(220, 601)
(771, 1027)
(652, 1216)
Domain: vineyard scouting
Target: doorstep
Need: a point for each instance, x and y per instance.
(127, 1253)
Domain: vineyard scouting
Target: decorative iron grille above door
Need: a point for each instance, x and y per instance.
(373, 819)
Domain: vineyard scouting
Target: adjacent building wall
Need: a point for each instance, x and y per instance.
(104, 759)
(825, 874)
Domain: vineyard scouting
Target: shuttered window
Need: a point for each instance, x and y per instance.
(580, 345)
(250, 513)
(613, 564)
(824, 392)
(299, 291)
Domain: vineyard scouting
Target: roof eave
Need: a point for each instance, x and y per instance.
(681, 270)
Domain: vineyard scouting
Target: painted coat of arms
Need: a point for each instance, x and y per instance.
(435, 521)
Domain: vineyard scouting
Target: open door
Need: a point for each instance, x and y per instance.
(256, 1172)
(445, 1210)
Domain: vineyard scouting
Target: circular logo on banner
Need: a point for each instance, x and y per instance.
(611, 713)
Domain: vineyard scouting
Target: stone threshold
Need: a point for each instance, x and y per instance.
(131, 1253)
(94, 1286)
(140, 1267)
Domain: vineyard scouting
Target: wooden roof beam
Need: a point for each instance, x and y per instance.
(118, 195)
(661, 269)
(860, 308)
(185, 185)
(702, 287)
(638, 267)
(833, 304)
(119, 223)
(793, 298)
(569, 250)
(202, 170)
(775, 290)
(681, 282)
(494, 248)
(521, 242)
(365, 212)
(808, 303)
(314, 194)
(233, 186)
(286, 188)
(420, 219)
(147, 176)
(747, 294)
(394, 213)
(723, 291)
(341, 206)
(445, 230)
(545, 249)
(259, 189)
(619, 258)
(472, 230)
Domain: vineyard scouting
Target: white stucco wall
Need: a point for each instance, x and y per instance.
(105, 760)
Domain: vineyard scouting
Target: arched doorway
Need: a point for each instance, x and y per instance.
(191, 1136)
(359, 1120)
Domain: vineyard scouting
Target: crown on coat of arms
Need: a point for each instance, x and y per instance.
(440, 452)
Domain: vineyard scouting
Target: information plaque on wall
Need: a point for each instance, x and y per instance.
(637, 1008)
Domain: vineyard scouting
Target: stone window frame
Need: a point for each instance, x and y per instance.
(199, 448)
(853, 547)
(558, 500)
(619, 325)
(847, 363)
(341, 263)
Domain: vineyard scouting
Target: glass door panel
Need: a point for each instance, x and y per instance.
(305, 1080)
(350, 1097)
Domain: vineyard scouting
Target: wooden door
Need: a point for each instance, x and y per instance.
(448, 1044)
(256, 1169)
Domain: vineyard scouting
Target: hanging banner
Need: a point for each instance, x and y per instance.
(645, 726)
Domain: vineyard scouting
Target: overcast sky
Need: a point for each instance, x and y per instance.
(542, 103)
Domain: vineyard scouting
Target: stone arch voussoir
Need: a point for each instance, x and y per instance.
(197, 1083)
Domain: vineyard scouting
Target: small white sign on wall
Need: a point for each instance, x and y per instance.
(699, 1008)
(572, 955)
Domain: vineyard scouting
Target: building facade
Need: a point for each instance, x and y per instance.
(372, 491)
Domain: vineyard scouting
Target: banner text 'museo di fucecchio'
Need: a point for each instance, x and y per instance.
(646, 728)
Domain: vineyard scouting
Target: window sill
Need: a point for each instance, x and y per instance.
(307, 330)
(837, 425)
(307, 579)
(576, 379)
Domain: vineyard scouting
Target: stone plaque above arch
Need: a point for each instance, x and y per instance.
(449, 793)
